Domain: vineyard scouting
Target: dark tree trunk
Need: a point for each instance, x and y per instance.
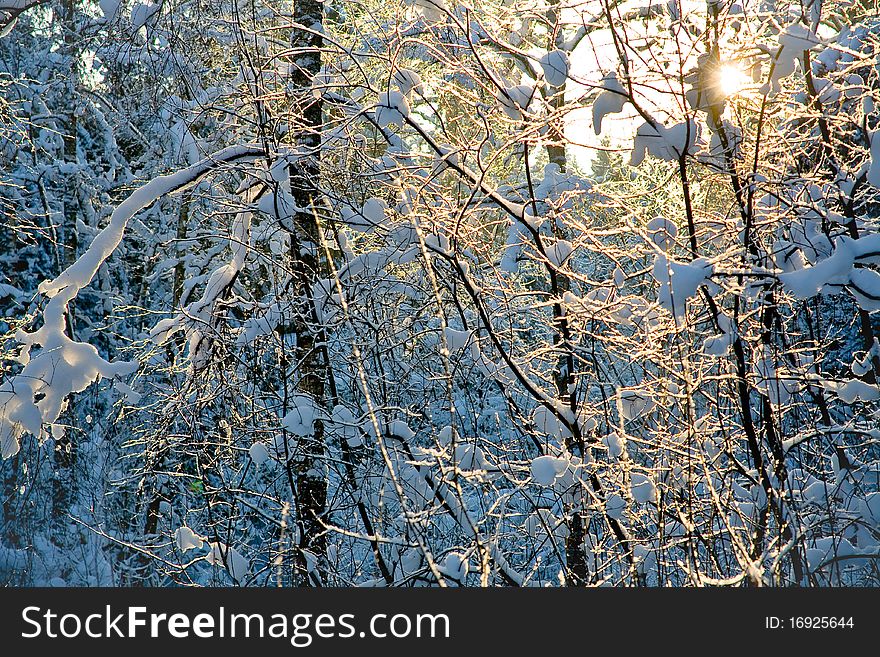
(64, 483)
(307, 267)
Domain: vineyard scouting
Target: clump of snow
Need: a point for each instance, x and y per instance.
(109, 8)
(556, 66)
(455, 565)
(300, 420)
(519, 233)
(515, 100)
(816, 492)
(455, 339)
(807, 282)
(679, 281)
(557, 185)
(259, 453)
(718, 345)
(645, 558)
(558, 252)
(470, 457)
(433, 11)
(7, 290)
(777, 381)
(408, 81)
(633, 404)
(196, 317)
(445, 435)
(869, 509)
(186, 539)
(664, 143)
(529, 219)
(864, 285)
(827, 548)
(260, 324)
(513, 248)
(547, 423)
(402, 430)
(392, 109)
(546, 468)
(793, 41)
(862, 365)
(280, 170)
(185, 144)
(225, 556)
(610, 101)
(643, 488)
(142, 12)
(853, 390)
(614, 444)
(843, 268)
(855, 86)
(131, 396)
(662, 231)
(374, 210)
(37, 395)
(826, 91)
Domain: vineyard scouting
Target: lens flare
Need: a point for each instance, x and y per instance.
(732, 79)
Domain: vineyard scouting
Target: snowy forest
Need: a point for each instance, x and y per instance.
(501, 293)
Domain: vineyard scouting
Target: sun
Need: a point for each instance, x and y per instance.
(732, 79)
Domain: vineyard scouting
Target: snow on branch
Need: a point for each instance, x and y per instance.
(10, 10)
(61, 366)
(839, 270)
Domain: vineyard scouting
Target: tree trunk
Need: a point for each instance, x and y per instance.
(306, 264)
(64, 482)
